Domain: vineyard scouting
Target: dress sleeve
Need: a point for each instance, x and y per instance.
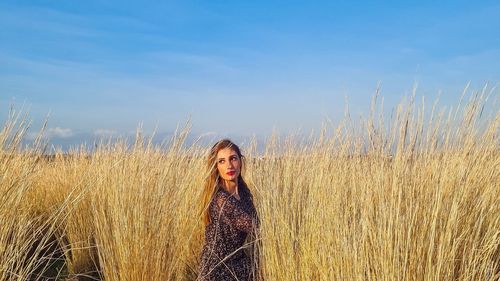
(230, 211)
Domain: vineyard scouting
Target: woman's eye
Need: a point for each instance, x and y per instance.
(221, 161)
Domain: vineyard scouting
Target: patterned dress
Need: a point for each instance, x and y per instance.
(223, 257)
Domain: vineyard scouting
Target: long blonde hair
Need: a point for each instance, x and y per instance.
(212, 181)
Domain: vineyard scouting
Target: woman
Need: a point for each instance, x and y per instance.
(229, 215)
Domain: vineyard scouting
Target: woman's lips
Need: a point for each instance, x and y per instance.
(231, 173)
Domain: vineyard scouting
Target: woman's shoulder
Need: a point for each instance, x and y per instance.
(220, 193)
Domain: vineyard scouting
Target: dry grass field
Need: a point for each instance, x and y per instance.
(416, 197)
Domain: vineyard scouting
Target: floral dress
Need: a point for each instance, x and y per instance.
(223, 257)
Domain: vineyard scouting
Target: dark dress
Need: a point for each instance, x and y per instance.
(222, 257)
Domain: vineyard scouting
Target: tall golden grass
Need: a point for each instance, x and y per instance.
(416, 197)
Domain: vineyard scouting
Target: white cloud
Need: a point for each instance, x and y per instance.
(103, 133)
(59, 132)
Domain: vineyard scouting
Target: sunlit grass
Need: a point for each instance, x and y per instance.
(415, 197)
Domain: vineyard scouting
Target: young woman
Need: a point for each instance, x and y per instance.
(229, 215)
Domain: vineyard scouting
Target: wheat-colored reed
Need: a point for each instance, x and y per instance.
(415, 197)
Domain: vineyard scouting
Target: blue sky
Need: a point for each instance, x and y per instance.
(236, 67)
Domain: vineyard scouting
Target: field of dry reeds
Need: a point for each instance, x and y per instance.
(412, 197)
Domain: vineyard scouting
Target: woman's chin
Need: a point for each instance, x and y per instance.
(231, 178)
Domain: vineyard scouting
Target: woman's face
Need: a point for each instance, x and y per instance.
(228, 164)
